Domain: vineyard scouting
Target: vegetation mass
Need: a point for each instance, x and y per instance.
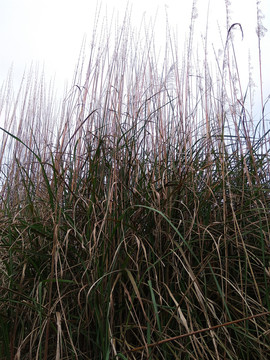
(134, 219)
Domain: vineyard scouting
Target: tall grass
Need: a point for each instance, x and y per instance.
(134, 217)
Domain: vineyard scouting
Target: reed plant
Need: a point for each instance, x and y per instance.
(134, 219)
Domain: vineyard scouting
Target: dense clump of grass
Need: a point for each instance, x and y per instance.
(136, 214)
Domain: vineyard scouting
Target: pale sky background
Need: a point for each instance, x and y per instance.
(50, 32)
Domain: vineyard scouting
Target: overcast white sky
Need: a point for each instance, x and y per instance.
(50, 32)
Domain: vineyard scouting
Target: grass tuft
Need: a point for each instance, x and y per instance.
(134, 219)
